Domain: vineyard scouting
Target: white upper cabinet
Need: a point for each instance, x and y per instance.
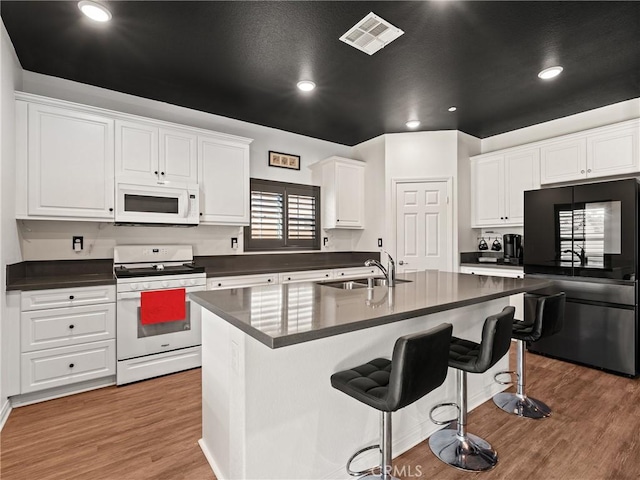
(223, 164)
(342, 192)
(600, 152)
(498, 183)
(69, 160)
(148, 152)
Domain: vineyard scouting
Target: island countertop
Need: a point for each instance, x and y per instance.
(281, 315)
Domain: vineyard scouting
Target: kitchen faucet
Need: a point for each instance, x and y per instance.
(389, 272)
(582, 255)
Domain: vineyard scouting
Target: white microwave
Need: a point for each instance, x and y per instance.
(139, 204)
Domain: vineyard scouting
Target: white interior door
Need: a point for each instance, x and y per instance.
(422, 226)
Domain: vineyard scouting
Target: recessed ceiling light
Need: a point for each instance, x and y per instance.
(306, 85)
(94, 11)
(550, 72)
(413, 124)
(452, 109)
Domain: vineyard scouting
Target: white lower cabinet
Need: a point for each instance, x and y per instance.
(56, 367)
(67, 336)
(306, 276)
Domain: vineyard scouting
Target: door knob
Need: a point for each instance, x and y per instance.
(402, 262)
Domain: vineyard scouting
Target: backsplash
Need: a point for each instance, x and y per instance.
(491, 234)
(52, 240)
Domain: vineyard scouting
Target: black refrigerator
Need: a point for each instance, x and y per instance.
(585, 239)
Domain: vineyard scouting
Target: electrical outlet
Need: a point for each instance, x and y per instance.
(234, 242)
(77, 243)
(380, 242)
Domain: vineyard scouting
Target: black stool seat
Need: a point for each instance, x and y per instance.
(454, 445)
(544, 317)
(368, 383)
(418, 366)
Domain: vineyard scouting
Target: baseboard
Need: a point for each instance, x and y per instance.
(51, 393)
(4, 413)
(210, 460)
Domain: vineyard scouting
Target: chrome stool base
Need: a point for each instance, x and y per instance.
(522, 406)
(372, 476)
(470, 453)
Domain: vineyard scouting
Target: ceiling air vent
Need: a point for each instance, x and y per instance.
(371, 34)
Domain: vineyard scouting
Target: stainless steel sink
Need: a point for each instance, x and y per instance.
(344, 285)
(380, 282)
(359, 283)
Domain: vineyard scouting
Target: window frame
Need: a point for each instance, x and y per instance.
(286, 243)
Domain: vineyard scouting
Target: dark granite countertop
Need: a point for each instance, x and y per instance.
(492, 265)
(43, 275)
(313, 311)
(47, 274)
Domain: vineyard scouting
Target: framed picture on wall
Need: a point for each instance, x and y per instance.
(284, 160)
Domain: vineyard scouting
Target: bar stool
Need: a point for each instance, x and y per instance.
(418, 366)
(453, 444)
(548, 319)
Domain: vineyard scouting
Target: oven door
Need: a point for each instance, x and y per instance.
(134, 339)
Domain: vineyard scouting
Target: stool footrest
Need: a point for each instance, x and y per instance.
(353, 457)
(441, 405)
(506, 372)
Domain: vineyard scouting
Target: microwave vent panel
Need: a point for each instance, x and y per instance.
(371, 34)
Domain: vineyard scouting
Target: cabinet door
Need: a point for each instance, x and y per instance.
(305, 276)
(614, 152)
(521, 172)
(563, 161)
(178, 159)
(349, 193)
(487, 191)
(70, 164)
(136, 150)
(224, 182)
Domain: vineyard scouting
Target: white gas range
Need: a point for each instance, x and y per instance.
(158, 330)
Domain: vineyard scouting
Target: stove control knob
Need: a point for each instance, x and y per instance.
(165, 284)
(145, 286)
(183, 282)
(193, 281)
(134, 286)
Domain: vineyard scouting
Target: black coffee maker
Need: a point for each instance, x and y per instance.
(512, 243)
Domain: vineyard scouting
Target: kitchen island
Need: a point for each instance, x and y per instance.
(269, 411)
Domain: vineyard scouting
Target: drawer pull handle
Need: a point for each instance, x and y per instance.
(288, 278)
(268, 280)
(71, 365)
(72, 326)
(327, 275)
(219, 284)
(71, 297)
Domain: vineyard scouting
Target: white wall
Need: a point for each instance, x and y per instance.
(42, 240)
(617, 112)
(420, 155)
(10, 80)
(372, 152)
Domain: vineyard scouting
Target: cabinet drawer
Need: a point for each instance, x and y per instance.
(306, 276)
(241, 281)
(67, 297)
(494, 272)
(356, 272)
(61, 327)
(62, 366)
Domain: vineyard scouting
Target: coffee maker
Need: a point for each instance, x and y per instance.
(512, 248)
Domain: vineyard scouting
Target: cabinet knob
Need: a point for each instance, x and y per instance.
(219, 284)
(111, 209)
(288, 278)
(588, 170)
(155, 173)
(268, 280)
(506, 218)
(71, 365)
(161, 173)
(200, 213)
(327, 275)
(337, 220)
(581, 171)
(501, 218)
(71, 297)
(72, 327)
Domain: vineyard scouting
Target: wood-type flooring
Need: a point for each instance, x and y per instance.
(149, 430)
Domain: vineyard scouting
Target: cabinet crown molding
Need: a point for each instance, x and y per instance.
(115, 115)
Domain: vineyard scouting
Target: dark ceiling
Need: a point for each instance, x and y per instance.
(243, 59)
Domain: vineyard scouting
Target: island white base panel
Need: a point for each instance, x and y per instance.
(272, 413)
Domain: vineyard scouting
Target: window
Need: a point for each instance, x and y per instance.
(283, 216)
